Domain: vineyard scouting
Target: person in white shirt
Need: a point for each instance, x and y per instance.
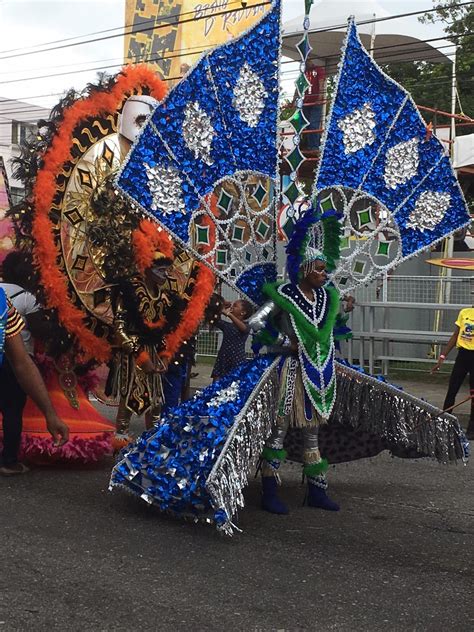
(25, 304)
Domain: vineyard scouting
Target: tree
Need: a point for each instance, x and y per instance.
(430, 83)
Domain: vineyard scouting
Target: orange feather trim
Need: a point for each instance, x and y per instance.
(131, 79)
(193, 313)
(142, 357)
(159, 324)
(147, 239)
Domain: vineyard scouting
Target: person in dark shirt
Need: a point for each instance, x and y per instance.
(31, 382)
(235, 334)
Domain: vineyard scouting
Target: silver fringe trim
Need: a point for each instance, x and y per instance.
(402, 419)
(243, 447)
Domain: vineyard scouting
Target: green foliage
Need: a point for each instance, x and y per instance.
(430, 83)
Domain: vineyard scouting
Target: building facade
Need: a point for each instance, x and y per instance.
(18, 120)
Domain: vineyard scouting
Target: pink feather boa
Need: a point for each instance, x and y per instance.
(76, 450)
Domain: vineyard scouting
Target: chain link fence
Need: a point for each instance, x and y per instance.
(390, 289)
(418, 289)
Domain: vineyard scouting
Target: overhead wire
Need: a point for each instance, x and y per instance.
(188, 51)
(134, 25)
(329, 70)
(225, 12)
(198, 49)
(183, 53)
(156, 27)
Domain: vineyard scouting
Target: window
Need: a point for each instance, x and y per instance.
(17, 194)
(21, 131)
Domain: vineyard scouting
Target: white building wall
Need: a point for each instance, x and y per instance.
(17, 119)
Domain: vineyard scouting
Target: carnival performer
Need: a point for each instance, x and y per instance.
(139, 307)
(304, 313)
(25, 435)
(15, 274)
(30, 380)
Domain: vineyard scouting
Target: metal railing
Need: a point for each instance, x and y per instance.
(399, 320)
(403, 320)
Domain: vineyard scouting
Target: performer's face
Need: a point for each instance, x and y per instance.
(318, 275)
(239, 310)
(159, 274)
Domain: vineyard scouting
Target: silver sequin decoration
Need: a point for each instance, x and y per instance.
(430, 208)
(249, 96)
(358, 129)
(165, 185)
(198, 132)
(228, 394)
(401, 163)
(369, 405)
(244, 445)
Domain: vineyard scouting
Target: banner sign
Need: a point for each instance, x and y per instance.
(173, 34)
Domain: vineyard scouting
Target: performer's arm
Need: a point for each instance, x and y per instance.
(445, 352)
(123, 340)
(241, 326)
(348, 302)
(259, 319)
(31, 382)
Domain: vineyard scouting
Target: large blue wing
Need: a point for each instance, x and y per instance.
(385, 168)
(219, 122)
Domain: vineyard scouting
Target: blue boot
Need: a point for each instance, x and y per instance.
(317, 496)
(270, 500)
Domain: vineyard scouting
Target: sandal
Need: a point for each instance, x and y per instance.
(14, 469)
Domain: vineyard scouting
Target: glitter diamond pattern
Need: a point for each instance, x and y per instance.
(365, 217)
(202, 235)
(165, 186)
(225, 201)
(249, 96)
(401, 164)
(259, 193)
(383, 248)
(198, 132)
(358, 129)
(429, 211)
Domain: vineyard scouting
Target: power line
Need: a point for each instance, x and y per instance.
(179, 21)
(145, 30)
(199, 49)
(384, 19)
(34, 96)
(184, 53)
(134, 25)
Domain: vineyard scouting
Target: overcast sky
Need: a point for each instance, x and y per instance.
(26, 23)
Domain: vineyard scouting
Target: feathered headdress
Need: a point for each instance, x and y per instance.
(315, 236)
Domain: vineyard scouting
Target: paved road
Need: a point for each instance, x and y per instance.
(397, 557)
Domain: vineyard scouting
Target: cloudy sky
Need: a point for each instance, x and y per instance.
(25, 24)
